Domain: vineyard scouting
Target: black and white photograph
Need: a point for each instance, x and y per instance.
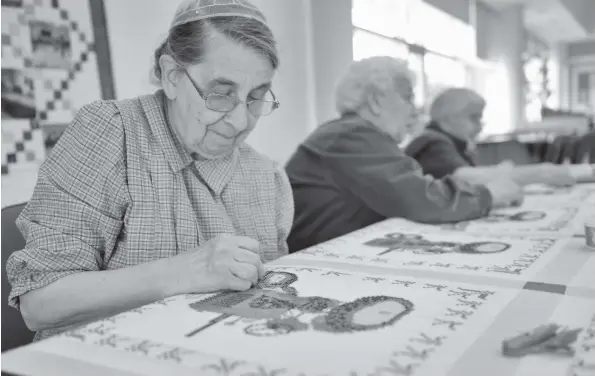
(298, 187)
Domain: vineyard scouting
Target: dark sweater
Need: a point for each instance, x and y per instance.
(438, 152)
(348, 175)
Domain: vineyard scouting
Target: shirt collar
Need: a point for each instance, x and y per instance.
(216, 173)
(184, 158)
(155, 112)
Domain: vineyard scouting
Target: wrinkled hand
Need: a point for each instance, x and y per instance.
(226, 262)
(505, 192)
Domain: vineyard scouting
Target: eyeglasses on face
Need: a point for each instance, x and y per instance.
(226, 103)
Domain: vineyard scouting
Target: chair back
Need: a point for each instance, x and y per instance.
(585, 149)
(14, 331)
(561, 149)
(492, 153)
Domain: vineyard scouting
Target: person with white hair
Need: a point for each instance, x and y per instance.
(350, 172)
(447, 145)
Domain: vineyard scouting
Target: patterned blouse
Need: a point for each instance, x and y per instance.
(119, 190)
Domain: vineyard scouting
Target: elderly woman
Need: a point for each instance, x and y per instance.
(350, 172)
(446, 147)
(156, 196)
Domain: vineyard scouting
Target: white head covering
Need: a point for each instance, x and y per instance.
(194, 10)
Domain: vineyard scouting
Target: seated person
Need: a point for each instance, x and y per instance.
(155, 196)
(350, 173)
(446, 147)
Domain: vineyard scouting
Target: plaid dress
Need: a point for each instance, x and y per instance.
(119, 190)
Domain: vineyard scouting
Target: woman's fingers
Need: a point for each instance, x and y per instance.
(237, 284)
(244, 271)
(249, 257)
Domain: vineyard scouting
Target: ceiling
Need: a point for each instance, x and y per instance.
(555, 20)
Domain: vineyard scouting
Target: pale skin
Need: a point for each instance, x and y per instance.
(226, 262)
(545, 173)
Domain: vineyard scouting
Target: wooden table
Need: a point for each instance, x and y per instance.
(395, 298)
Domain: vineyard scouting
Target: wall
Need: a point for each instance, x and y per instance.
(279, 134)
(332, 32)
(501, 39)
(133, 39)
(576, 57)
(581, 68)
(581, 48)
(566, 56)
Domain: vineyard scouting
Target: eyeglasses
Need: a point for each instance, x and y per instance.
(226, 103)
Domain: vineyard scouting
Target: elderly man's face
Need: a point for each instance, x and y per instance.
(469, 123)
(399, 111)
(228, 69)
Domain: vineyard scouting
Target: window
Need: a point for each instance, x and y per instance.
(434, 43)
(536, 67)
(386, 17)
(496, 115)
(366, 44)
(442, 72)
(440, 32)
(533, 89)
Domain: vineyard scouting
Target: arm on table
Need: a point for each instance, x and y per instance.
(372, 167)
(545, 173)
(482, 174)
(91, 295)
(72, 224)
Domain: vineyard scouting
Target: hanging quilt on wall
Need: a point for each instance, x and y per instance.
(49, 70)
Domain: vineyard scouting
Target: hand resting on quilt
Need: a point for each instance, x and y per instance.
(226, 262)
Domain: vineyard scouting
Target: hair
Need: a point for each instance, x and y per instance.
(185, 43)
(378, 73)
(454, 101)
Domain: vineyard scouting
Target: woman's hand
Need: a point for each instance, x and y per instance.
(505, 192)
(226, 262)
